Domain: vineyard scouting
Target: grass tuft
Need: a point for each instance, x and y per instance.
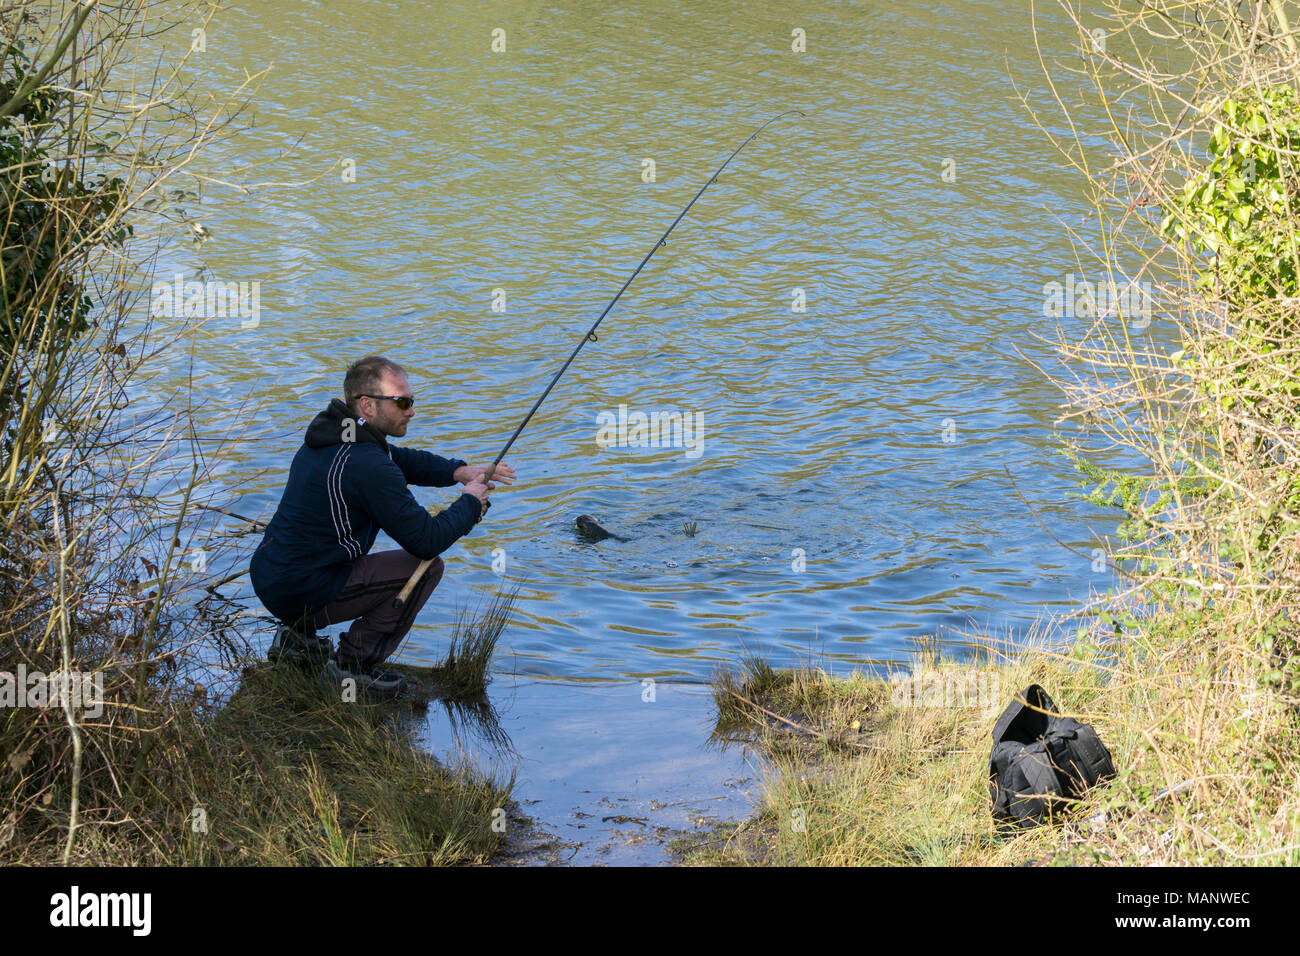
(464, 673)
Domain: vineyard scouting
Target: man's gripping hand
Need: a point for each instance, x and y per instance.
(479, 490)
(472, 477)
(468, 473)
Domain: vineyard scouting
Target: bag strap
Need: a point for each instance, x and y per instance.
(1023, 717)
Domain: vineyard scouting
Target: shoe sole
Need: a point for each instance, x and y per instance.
(364, 682)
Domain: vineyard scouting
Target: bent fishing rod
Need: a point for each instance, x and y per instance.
(589, 337)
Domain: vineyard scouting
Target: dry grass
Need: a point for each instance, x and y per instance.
(287, 774)
(887, 773)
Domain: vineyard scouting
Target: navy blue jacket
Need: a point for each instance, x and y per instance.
(346, 483)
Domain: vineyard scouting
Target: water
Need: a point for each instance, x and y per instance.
(609, 773)
(852, 492)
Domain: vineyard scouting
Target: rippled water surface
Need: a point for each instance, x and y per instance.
(851, 493)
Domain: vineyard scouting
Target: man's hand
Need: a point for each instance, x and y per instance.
(466, 474)
(479, 491)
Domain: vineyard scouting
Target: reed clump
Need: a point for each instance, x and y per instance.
(464, 673)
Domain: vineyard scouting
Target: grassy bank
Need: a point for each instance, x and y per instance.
(284, 774)
(865, 771)
(287, 768)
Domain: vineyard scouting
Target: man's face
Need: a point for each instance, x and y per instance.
(385, 416)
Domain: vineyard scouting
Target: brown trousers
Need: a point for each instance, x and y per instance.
(367, 600)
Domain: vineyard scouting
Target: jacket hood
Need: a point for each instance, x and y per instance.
(337, 424)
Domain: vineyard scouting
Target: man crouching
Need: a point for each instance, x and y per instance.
(346, 484)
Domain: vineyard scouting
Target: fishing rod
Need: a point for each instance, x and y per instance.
(589, 337)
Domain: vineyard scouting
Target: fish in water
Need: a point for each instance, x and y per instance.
(588, 528)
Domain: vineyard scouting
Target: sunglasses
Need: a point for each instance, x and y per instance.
(401, 401)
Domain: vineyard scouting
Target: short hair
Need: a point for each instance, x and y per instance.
(364, 377)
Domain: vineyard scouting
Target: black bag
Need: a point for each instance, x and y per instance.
(1041, 762)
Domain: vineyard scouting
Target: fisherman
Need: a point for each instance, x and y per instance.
(346, 484)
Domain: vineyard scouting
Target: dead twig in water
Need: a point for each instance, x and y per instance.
(833, 741)
(231, 514)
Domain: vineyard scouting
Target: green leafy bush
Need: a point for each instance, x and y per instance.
(1240, 207)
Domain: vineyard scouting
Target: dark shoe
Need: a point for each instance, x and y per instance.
(305, 650)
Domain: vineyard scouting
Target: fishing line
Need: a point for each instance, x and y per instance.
(590, 337)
